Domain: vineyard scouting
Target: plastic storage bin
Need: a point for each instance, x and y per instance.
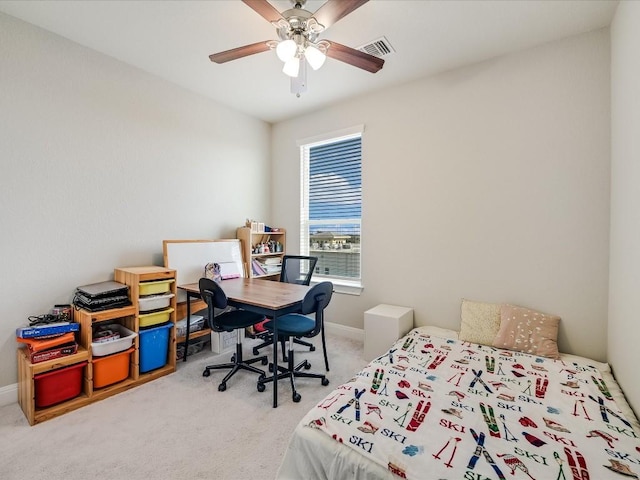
(111, 369)
(155, 318)
(58, 385)
(99, 349)
(152, 288)
(154, 302)
(195, 346)
(154, 347)
(196, 324)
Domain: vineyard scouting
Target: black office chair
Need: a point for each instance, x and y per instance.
(295, 325)
(295, 269)
(228, 321)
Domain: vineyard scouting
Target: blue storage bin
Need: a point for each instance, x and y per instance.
(154, 347)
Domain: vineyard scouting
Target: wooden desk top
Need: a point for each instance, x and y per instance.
(261, 293)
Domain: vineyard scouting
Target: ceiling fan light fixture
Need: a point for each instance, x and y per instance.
(286, 50)
(298, 44)
(292, 67)
(314, 56)
(299, 83)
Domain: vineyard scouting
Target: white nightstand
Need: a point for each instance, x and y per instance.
(383, 325)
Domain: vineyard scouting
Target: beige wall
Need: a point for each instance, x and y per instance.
(490, 182)
(99, 163)
(624, 296)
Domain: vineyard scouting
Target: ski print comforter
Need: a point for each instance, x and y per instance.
(440, 408)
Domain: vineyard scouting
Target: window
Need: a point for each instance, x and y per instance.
(331, 206)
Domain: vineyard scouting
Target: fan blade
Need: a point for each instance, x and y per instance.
(334, 10)
(354, 57)
(264, 9)
(235, 53)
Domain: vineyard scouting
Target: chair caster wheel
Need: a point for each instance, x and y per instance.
(307, 365)
(261, 387)
(233, 358)
(325, 382)
(256, 352)
(296, 397)
(222, 387)
(271, 367)
(206, 373)
(264, 361)
(312, 348)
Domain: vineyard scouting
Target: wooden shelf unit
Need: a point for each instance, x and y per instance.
(127, 317)
(249, 240)
(27, 390)
(133, 276)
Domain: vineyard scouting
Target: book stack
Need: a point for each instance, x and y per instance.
(48, 341)
(257, 268)
(269, 266)
(273, 265)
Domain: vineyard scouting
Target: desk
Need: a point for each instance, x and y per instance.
(269, 298)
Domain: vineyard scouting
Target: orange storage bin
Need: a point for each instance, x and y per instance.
(58, 385)
(111, 368)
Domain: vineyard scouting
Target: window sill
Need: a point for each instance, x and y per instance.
(343, 286)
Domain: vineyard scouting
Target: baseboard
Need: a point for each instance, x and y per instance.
(8, 394)
(344, 331)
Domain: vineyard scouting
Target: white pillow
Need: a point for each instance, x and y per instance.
(479, 321)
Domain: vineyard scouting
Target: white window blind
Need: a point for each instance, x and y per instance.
(331, 207)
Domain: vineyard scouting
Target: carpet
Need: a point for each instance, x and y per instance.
(177, 427)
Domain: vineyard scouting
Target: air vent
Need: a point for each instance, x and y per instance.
(378, 48)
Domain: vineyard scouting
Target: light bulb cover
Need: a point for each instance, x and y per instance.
(286, 50)
(314, 56)
(292, 67)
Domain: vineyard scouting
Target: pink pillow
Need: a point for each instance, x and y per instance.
(528, 331)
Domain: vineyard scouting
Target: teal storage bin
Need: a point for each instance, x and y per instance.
(154, 347)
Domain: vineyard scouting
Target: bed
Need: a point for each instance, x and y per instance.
(436, 406)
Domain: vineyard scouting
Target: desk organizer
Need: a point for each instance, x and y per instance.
(58, 385)
(111, 369)
(154, 347)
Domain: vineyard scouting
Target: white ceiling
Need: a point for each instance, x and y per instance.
(173, 39)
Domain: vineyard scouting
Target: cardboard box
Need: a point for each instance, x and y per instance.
(224, 341)
(53, 353)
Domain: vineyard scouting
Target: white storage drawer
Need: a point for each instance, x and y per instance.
(100, 349)
(154, 302)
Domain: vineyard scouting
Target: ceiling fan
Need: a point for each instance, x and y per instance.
(298, 44)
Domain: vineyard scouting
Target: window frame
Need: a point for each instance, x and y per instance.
(341, 285)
